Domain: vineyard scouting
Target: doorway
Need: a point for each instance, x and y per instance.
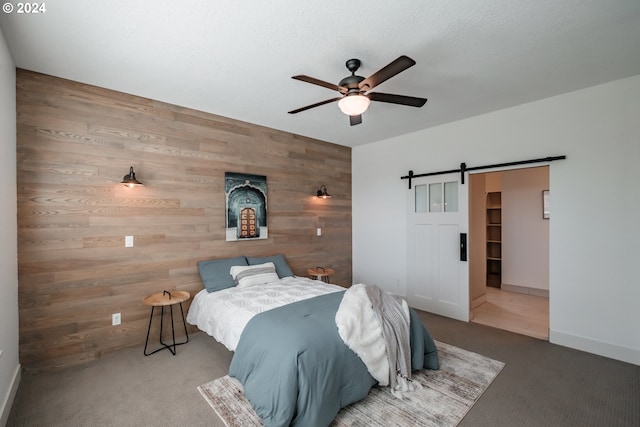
(509, 250)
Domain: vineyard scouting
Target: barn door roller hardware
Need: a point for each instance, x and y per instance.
(463, 168)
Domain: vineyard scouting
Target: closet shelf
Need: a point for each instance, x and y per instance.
(494, 239)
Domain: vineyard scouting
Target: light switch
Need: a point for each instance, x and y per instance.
(319, 231)
(128, 241)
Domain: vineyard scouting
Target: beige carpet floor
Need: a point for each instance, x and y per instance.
(541, 385)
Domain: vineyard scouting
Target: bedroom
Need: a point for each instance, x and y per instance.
(591, 273)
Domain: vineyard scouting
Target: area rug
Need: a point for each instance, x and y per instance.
(446, 396)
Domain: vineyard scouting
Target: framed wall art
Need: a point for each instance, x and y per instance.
(246, 203)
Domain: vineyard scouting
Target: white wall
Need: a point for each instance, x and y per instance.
(594, 230)
(525, 234)
(477, 243)
(9, 365)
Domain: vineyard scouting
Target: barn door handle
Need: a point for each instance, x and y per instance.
(463, 246)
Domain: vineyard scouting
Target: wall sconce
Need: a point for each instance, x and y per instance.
(322, 192)
(130, 179)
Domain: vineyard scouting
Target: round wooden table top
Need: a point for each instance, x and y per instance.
(162, 298)
(319, 271)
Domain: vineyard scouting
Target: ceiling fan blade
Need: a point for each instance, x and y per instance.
(315, 105)
(355, 120)
(318, 82)
(411, 101)
(395, 67)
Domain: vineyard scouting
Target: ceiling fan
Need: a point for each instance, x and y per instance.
(355, 89)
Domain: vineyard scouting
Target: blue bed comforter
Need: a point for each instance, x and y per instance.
(296, 370)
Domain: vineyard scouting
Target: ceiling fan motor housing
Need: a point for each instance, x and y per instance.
(352, 82)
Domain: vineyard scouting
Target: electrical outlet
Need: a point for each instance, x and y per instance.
(128, 241)
(1, 351)
(116, 319)
(318, 231)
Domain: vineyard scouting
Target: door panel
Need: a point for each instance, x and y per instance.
(437, 281)
(449, 274)
(421, 268)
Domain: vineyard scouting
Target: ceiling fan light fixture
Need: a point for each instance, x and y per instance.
(354, 105)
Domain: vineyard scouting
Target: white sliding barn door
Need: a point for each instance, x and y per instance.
(437, 279)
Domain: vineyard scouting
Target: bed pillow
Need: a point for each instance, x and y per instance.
(215, 273)
(254, 274)
(282, 268)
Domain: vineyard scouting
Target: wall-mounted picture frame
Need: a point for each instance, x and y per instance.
(546, 206)
(246, 202)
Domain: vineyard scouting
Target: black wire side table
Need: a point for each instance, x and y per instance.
(162, 300)
(321, 273)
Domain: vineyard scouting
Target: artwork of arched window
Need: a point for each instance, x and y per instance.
(246, 202)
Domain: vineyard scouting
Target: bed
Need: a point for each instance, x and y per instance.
(225, 313)
(294, 366)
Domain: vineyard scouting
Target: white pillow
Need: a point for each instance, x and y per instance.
(251, 275)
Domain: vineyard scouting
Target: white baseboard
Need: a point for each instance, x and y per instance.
(525, 290)
(11, 394)
(478, 301)
(612, 351)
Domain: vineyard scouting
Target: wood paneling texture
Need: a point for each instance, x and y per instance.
(75, 142)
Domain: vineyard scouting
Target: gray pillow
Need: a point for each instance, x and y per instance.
(215, 273)
(282, 268)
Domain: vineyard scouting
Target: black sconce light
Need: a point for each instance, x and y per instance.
(322, 192)
(130, 179)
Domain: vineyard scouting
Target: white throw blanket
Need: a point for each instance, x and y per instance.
(375, 325)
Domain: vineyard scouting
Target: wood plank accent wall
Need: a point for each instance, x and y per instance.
(75, 143)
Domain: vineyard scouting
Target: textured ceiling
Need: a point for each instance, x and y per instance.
(236, 58)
